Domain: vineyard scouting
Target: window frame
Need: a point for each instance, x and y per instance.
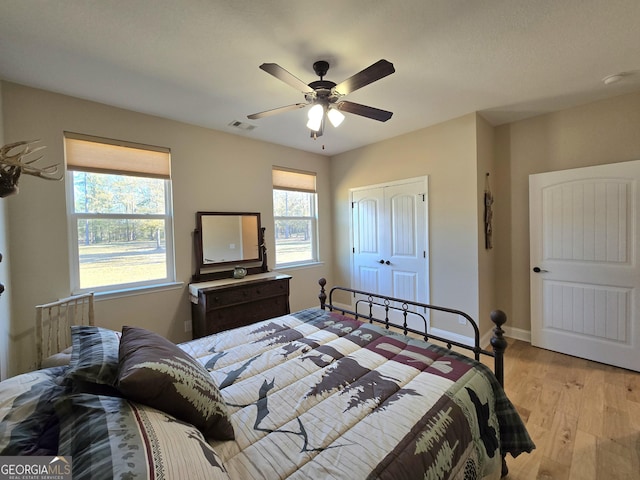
(313, 217)
(74, 217)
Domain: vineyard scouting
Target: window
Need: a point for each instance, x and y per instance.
(120, 214)
(295, 217)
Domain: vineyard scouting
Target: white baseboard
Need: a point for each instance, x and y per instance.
(485, 340)
(517, 333)
(511, 332)
(455, 337)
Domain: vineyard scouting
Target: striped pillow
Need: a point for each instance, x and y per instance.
(94, 356)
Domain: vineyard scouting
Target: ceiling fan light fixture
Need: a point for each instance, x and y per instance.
(335, 117)
(315, 117)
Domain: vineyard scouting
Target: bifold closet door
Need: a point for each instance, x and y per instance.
(389, 225)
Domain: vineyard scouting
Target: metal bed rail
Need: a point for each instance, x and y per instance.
(386, 304)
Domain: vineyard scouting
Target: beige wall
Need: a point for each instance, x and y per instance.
(5, 304)
(602, 132)
(211, 170)
(447, 154)
(455, 155)
(486, 257)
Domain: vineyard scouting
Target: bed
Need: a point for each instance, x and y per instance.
(324, 393)
(53, 327)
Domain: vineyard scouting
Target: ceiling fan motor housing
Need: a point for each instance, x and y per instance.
(322, 92)
(321, 68)
(322, 89)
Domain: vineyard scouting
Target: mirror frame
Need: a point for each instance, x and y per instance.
(217, 270)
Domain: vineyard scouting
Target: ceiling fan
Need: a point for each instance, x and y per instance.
(325, 97)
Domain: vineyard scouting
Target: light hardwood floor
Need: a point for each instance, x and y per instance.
(583, 416)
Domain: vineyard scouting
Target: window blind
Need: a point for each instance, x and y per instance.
(299, 181)
(101, 155)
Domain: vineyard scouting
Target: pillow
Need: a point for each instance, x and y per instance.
(28, 421)
(57, 359)
(94, 355)
(158, 373)
(109, 437)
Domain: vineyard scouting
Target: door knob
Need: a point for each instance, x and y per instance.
(539, 270)
(382, 262)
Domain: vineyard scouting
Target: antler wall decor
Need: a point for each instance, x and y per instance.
(12, 165)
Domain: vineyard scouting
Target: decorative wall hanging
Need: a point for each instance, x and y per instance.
(488, 214)
(13, 164)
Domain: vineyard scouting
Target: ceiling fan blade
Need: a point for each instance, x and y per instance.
(281, 74)
(372, 73)
(364, 111)
(273, 111)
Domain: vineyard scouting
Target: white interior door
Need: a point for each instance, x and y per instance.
(405, 247)
(389, 225)
(585, 273)
(367, 210)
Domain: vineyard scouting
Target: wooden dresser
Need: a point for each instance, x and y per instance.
(229, 303)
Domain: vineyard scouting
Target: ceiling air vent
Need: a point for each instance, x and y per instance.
(242, 126)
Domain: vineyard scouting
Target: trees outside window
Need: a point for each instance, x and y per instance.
(120, 227)
(295, 218)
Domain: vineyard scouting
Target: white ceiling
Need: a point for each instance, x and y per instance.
(197, 61)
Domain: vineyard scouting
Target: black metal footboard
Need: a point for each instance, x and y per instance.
(386, 304)
(364, 310)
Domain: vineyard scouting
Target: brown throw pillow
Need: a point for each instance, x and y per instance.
(156, 372)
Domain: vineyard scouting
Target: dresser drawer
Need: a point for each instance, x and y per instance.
(246, 293)
(232, 304)
(245, 314)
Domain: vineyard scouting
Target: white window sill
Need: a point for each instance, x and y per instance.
(130, 292)
(296, 266)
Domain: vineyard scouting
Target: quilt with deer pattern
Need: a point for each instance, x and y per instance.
(316, 395)
(311, 395)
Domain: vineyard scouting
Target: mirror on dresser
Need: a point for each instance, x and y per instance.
(224, 240)
(219, 299)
